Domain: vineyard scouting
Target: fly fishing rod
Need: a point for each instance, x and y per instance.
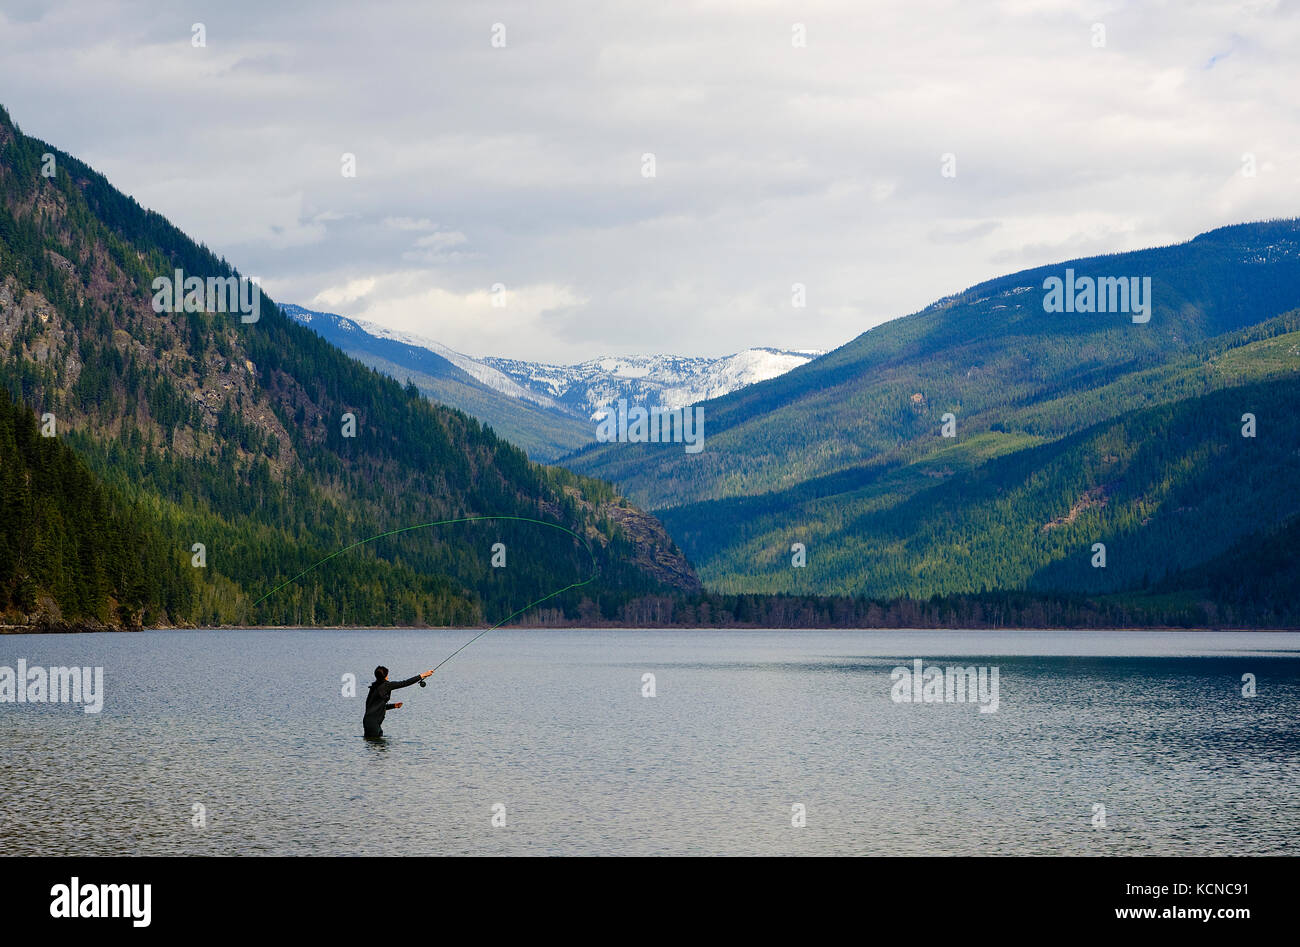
(515, 615)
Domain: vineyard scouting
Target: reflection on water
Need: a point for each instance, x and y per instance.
(241, 742)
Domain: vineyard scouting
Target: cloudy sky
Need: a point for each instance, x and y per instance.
(775, 163)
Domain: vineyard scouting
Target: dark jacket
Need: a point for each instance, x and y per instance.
(377, 704)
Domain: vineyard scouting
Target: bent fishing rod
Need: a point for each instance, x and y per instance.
(514, 615)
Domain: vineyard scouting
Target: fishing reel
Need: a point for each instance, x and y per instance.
(423, 684)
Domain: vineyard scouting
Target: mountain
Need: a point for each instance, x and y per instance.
(229, 449)
(549, 410)
(1058, 417)
(536, 425)
(590, 388)
(231, 465)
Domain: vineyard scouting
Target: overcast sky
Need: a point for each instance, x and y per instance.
(775, 164)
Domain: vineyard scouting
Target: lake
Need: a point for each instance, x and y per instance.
(242, 742)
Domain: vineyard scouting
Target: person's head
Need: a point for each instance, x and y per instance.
(381, 673)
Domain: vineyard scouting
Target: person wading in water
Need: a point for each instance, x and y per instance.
(377, 700)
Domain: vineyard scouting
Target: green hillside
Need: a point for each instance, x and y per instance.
(67, 539)
(846, 454)
(1164, 488)
(234, 435)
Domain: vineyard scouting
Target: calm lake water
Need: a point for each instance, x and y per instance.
(744, 726)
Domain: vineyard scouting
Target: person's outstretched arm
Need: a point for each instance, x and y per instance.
(411, 680)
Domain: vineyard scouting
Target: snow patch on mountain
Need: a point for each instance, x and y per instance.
(589, 389)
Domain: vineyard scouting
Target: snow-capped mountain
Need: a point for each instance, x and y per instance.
(589, 388)
(547, 409)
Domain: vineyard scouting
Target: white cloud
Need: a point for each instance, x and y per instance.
(469, 322)
(409, 223)
(774, 164)
(349, 292)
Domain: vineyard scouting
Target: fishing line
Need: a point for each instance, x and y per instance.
(464, 519)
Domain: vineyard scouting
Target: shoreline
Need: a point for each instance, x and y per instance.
(86, 628)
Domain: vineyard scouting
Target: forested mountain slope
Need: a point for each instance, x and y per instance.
(1165, 489)
(72, 550)
(847, 454)
(270, 447)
